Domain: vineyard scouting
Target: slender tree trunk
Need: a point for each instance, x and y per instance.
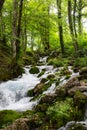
(19, 30)
(14, 28)
(70, 20)
(1, 5)
(80, 17)
(74, 17)
(60, 26)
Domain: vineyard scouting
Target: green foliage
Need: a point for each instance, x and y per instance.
(8, 116)
(61, 112)
(58, 62)
(80, 62)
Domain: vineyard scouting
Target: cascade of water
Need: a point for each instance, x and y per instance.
(13, 92)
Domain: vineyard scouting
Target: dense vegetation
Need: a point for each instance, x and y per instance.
(30, 29)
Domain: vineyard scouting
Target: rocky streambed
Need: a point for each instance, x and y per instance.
(49, 98)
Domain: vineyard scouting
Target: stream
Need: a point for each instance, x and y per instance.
(13, 93)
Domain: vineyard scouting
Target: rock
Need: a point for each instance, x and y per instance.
(44, 80)
(19, 124)
(62, 128)
(30, 93)
(61, 92)
(38, 88)
(51, 76)
(34, 70)
(77, 88)
(49, 98)
(83, 72)
(69, 125)
(72, 82)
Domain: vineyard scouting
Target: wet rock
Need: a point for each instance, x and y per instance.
(69, 125)
(44, 80)
(62, 128)
(20, 124)
(83, 72)
(38, 88)
(34, 70)
(61, 92)
(51, 76)
(72, 82)
(49, 98)
(77, 88)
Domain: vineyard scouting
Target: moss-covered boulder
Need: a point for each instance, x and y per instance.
(72, 82)
(83, 73)
(7, 117)
(19, 124)
(34, 70)
(38, 88)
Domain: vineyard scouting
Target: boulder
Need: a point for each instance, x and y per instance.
(19, 124)
(38, 88)
(77, 88)
(34, 70)
(49, 98)
(72, 82)
(83, 72)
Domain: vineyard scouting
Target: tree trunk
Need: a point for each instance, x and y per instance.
(60, 26)
(19, 30)
(14, 28)
(1, 4)
(70, 20)
(80, 17)
(74, 17)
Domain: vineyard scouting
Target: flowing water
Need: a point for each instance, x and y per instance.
(13, 93)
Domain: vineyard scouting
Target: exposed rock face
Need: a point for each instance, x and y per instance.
(20, 124)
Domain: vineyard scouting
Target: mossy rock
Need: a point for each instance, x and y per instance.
(41, 73)
(83, 73)
(8, 116)
(30, 93)
(34, 70)
(77, 127)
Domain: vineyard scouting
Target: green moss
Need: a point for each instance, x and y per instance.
(34, 70)
(41, 73)
(61, 112)
(30, 93)
(8, 116)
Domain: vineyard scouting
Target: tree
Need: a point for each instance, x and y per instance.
(1, 4)
(60, 26)
(14, 28)
(71, 27)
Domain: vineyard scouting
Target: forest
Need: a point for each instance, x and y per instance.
(43, 64)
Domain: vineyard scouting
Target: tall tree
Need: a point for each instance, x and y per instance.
(19, 30)
(14, 28)
(70, 20)
(80, 3)
(60, 26)
(1, 4)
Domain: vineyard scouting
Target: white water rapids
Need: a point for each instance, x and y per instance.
(13, 92)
